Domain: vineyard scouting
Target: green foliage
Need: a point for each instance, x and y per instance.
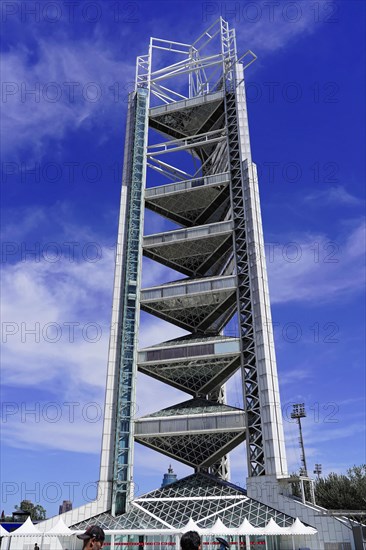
(343, 492)
(37, 512)
(295, 484)
(337, 491)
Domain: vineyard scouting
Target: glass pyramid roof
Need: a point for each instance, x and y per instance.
(202, 497)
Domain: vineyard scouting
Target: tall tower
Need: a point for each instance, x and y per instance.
(187, 158)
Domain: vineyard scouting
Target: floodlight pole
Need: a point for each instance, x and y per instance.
(298, 412)
(318, 470)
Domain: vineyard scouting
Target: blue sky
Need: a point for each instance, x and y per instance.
(61, 171)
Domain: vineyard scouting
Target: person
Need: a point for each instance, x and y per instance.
(93, 538)
(36, 547)
(190, 541)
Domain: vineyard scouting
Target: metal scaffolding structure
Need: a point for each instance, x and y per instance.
(194, 97)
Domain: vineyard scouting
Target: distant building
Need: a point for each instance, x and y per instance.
(169, 477)
(20, 516)
(66, 506)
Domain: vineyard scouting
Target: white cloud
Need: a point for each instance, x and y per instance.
(51, 428)
(267, 27)
(15, 232)
(331, 431)
(308, 268)
(295, 376)
(74, 85)
(46, 298)
(334, 195)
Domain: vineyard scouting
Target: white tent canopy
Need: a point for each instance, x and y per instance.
(219, 528)
(27, 529)
(298, 528)
(4, 532)
(247, 528)
(191, 526)
(272, 528)
(60, 529)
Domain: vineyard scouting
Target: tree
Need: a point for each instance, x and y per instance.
(295, 484)
(337, 491)
(357, 475)
(37, 512)
(343, 492)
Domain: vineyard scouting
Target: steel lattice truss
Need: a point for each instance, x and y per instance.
(191, 202)
(197, 432)
(195, 121)
(199, 248)
(187, 306)
(195, 377)
(201, 450)
(201, 497)
(251, 391)
(195, 366)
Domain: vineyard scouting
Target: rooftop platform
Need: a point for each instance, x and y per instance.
(191, 251)
(191, 202)
(199, 305)
(189, 116)
(195, 366)
(197, 432)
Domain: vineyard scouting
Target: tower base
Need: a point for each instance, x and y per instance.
(333, 533)
(205, 498)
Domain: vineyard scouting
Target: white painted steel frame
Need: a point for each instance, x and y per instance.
(221, 75)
